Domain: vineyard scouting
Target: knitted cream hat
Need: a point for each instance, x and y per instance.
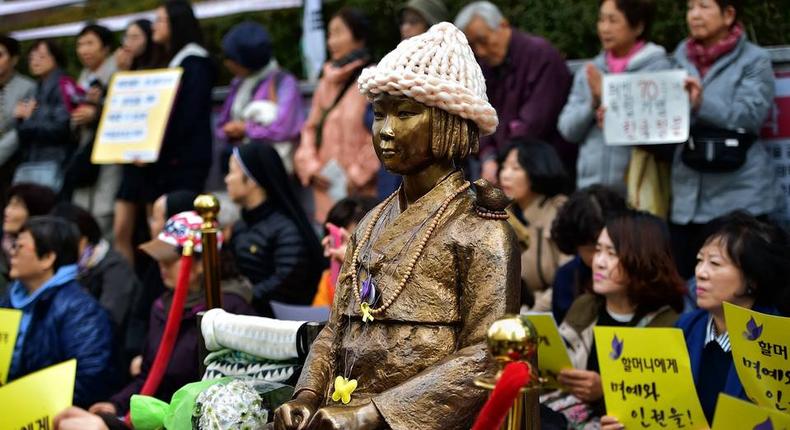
(436, 68)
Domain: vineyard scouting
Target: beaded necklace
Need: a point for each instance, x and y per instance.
(366, 311)
(343, 386)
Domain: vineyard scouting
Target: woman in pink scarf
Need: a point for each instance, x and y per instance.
(335, 155)
(731, 90)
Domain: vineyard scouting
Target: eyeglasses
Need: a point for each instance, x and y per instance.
(16, 246)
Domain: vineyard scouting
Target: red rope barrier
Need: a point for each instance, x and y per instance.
(170, 334)
(515, 376)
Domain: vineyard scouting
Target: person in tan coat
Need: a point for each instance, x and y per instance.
(532, 175)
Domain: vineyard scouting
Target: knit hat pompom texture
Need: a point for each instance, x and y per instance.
(436, 68)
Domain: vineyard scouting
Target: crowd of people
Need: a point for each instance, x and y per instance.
(90, 253)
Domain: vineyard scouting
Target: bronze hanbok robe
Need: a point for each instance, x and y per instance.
(417, 361)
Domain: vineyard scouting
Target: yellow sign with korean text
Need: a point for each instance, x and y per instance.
(9, 327)
(732, 413)
(31, 402)
(646, 378)
(552, 354)
(135, 116)
(759, 349)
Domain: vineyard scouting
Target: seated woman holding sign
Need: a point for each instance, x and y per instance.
(623, 28)
(635, 284)
(744, 262)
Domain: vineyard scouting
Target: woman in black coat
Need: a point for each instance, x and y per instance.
(185, 157)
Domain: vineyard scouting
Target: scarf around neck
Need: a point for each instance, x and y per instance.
(703, 57)
(620, 64)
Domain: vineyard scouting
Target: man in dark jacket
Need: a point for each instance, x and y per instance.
(527, 82)
(60, 321)
(274, 244)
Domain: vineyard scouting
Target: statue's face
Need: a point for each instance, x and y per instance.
(402, 134)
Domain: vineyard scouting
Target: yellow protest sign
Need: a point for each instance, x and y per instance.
(732, 413)
(552, 354)
(759, 350)
(33, 401)
(135, 116)
(9, 327)
(646, 378)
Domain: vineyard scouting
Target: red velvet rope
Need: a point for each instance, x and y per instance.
(170, 334)
(515, 376)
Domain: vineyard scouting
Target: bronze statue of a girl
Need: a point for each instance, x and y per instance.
(428, 270)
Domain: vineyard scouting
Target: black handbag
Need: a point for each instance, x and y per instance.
(716, 150)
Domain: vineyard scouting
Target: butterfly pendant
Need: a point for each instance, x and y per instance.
(343, 389)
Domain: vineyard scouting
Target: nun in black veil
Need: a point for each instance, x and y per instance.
(274, 244)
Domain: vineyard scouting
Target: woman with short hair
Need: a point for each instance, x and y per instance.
(59, 320)
(624, 31)
(13, 88)
(44, 122)
(25, 200)
(731, 90)
(532, 175)
(745, 262)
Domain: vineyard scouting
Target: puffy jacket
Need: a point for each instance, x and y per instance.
(66, 322)
(273, 255)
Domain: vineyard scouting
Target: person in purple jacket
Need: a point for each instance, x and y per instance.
(527, 82)
(264, 104)
(183, 367)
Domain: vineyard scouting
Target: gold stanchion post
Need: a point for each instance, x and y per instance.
(514, 338)
(207, 206)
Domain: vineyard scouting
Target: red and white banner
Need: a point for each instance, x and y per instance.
(778, 124)
(776, 134)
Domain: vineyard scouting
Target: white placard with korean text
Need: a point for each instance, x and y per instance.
(645, 108)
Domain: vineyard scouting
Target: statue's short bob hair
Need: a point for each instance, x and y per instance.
(452, 137)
